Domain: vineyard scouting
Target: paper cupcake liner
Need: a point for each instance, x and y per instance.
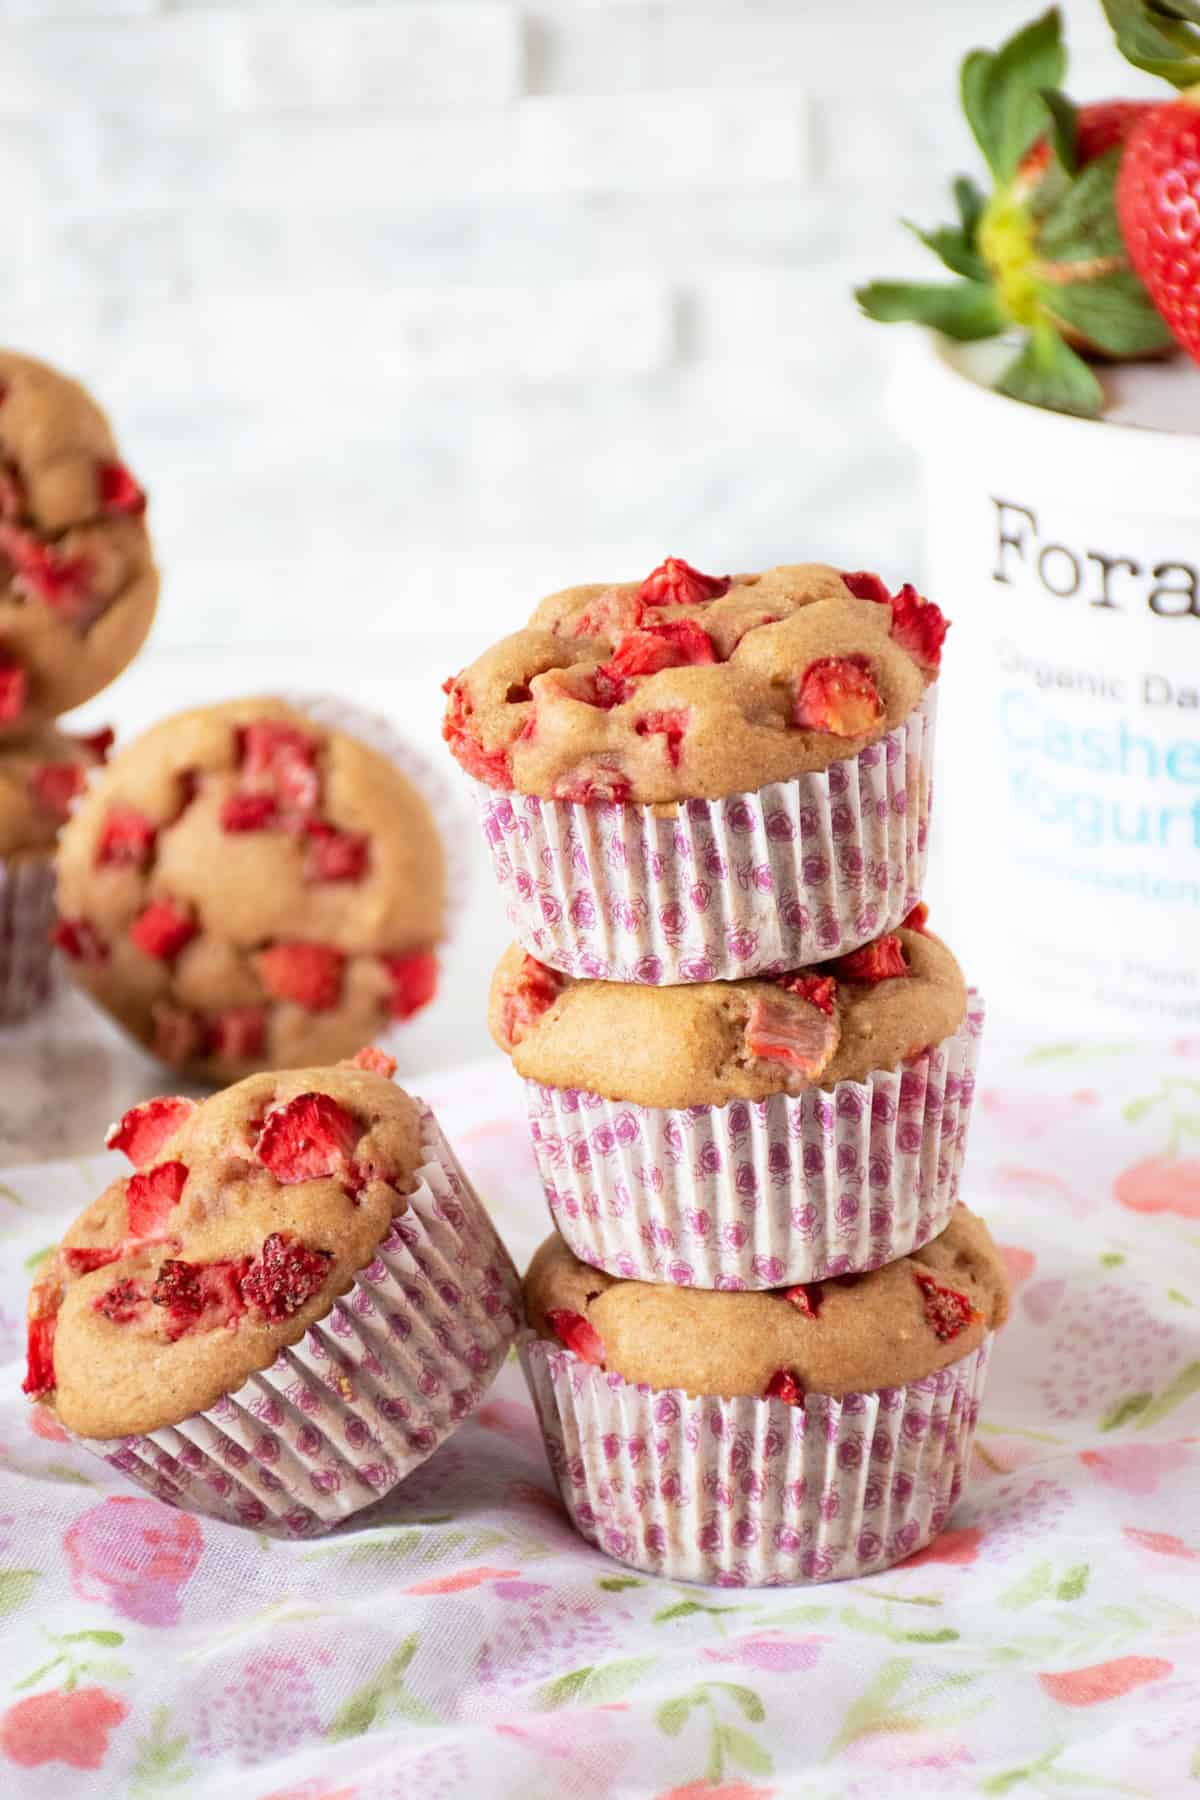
(369, 1392)
(27, 890)
(749, 1492)
(762, 1193)
(796, 872)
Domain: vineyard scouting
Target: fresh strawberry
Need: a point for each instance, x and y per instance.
(308, 1138)
(199, 1296)
(593, 784)
(126, 839)
(43, 572)
(671, 725)
(881, 960)
(238, 1034)
(534, 993)
(793, 1031)
(56, 787)
(44, 1302)
(676, 643)
(837, 695)
(284, 1276)
(806, 1297)
(676, 583)
(122, 1303)
(577, 1334)
(81, 1259)
(414, 978)
(335, 855)
(946, 1310)
(163, 929)
(818, 990)
(492, 767)
(784, 1386)
(119, 492)
(919, 627)
(248, 812)
(1158, 204)
(867, 586)
(917, 919)
(141, 1133)
(13, 689)
(281, 760)
(309, 975)
(373, 1061)
(79, 939)
(151, 1195)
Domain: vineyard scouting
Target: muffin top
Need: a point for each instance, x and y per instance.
(850, 1334)
(247, 1215)
(710, 1042)
(245, 888)
(78, 584)
(687, 686)
(41, 778)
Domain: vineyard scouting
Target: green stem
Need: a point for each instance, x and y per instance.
(715, 1771)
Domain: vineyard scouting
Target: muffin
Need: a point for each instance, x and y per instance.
(248, 888)
(749, 1133)
(78, 585)
(697, 778)
(41, 778)
(293, 1300)
(808, 1434)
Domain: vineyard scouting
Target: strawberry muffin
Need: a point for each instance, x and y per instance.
(41, 778)
(694, 778)
(288, 1305)
(78, 585)
(748, 1133)
(247, 888)
(807, 1434)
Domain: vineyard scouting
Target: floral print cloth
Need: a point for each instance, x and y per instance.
(459, 1639)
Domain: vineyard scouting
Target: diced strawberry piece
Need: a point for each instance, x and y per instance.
(150, 1196)
(818, 990)
(199, 1296)
(122, 1303)
(12, 491)
(795, 1032)
(281, 760)
(310, 975)
(577, 1334)
(96, 743)
(534, 992)
(609, 616)
(917, 919)
(882, 960)
(126, 840)
(373, 1061)
(867, 586)
(141, 1133)
(239, 1034)
(163, 929)
(178, 1034)
(119, 492)
(13, 690)
(805, 1297)
(248, 812)
(414, 979)
(284, 1276)
(39, 1356)
(79, 939)
(675, 644)
(43, 572)
(55, 786)
(947, 1312)
(671, 725)
(837, 695)
(81, 1259)
(784, 1386)
(335, 855)
(676, 583)
(919, 627)
(308, 1138)
(492, 767)
(593, 784)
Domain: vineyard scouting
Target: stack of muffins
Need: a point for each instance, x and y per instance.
(759, 1334)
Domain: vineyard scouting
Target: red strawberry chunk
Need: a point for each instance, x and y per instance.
(675, 644)
(414, 978)
(12, 491)
(882, 960)
(141, 1133)
(795, 1032)
(43, 572)
(609, 615)
(837, 695)
(163, 929)
(199, 1296)
(917, 919)
(671, 725)
(39, 1355)
(96, 743)
(284, 1276)
(373, 1061)
(79, 939)
(178, 1034)
(577, 1334)
(805, 1297)
(281, 759)
(308, 1138)
(126, 840)
(919, 627)
(150, 1196)
(818, 990)
(119, 492)
(784, 1386)
(947, 1312)
(248, 812)
(309, 975)
(123, 1302)
(55, 786)
(676, 583)
(239, 1034)
(593, 784)
(492, 767)
(534, 992)
(81, 1259)
(867, 586)
(335, 855)
(13, 690)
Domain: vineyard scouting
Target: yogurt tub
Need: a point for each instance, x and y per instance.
(1067, 552)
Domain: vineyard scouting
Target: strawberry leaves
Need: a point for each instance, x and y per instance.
(1049, 373)
(1160, 36)
(965, 310)
(1002, 91)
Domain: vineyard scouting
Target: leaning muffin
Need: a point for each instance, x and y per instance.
(78, 586)
(293, 1300)
(695, 778)
(807, 1434)
(41, 778)
(748, 1133)
(247, 888)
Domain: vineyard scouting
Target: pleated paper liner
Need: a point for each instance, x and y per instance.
(762, 1193)
(27, 913)
(793, 873)
(755, 1493)
(369, 1392)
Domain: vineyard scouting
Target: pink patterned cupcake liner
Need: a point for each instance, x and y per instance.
(369, 1392)
(749, 1492)
(762, 1193)
(796, 872)
(27, 891)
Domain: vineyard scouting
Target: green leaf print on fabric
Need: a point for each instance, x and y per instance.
(72, 1667)
(1147, 1408)
(879, 1707)
(383, 1698)
(1073, 1585)
(161, 1759)
(727, 1743)
(16, 1585)
(595, 1686)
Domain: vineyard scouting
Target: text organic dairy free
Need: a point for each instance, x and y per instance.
(1067, 554)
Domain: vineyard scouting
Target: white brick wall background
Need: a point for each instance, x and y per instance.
(411, 310)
